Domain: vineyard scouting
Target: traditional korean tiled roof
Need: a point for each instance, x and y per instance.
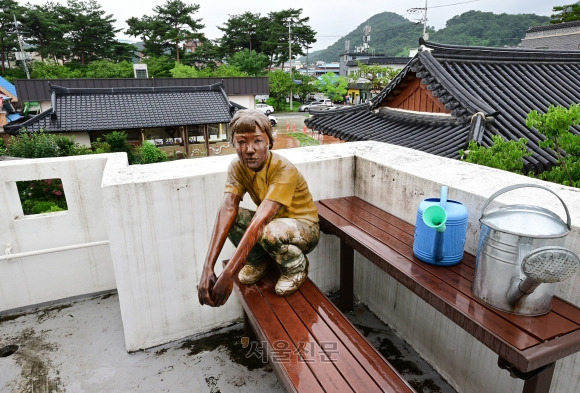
(378, 60)
(123, 108)
(555, 26)
(486, 91)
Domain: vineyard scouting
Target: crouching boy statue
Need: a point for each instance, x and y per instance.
(283, 228)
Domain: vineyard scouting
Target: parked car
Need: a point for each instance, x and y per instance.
(273, 120)
(316, 104)
(265, 108)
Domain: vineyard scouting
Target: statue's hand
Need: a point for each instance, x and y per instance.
(204, 288)
(222, 289)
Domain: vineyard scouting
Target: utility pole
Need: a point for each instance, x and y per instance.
(22, 53)
(290, 58)
(424, 19)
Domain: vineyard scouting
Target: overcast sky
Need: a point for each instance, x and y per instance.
(330, 19)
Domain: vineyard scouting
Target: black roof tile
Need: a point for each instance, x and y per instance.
(123, 108)
(500, 85)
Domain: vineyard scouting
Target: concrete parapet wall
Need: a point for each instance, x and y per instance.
(158, 218)
(45, 257)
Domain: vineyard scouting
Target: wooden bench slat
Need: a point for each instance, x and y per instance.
(307, 320)
(301, 338)
(542, 328)
(297, 374)
(374, 364)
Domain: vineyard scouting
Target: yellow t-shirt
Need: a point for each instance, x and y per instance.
(278, 181)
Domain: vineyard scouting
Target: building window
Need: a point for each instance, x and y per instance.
(140, 70)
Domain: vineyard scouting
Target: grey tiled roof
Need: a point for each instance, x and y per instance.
(555, 26)
(379, 61)
(487, 91)
(123, 108)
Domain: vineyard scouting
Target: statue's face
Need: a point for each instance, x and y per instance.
(252, 149)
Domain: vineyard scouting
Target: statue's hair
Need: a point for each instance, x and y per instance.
(246, 120)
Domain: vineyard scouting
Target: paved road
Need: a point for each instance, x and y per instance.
(291, 121)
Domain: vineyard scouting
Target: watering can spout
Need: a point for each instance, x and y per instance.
(435, 217)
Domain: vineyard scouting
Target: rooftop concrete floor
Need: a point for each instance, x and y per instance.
(77, 346)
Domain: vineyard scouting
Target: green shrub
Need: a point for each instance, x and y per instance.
(117, 141)
(148, 153)
(41, 145)
(45, 207)
(501, 155)
(37, 145)
(555, 125)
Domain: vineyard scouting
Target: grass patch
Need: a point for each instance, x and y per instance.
(304, 139)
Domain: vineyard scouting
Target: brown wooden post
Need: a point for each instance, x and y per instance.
(540, 383)
(346, 277)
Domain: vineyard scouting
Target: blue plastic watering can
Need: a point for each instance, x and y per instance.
(440, 230)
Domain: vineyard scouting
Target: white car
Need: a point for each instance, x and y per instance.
(265, 108)
(273, 120)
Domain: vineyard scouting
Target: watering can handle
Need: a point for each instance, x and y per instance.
(516, 186)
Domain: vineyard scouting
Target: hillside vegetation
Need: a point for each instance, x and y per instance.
(394, 35)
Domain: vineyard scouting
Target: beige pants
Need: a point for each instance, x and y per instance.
(285, 240)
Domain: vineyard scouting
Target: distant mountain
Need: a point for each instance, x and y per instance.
(393, 35)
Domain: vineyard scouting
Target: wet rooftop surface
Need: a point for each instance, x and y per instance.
(78, 346)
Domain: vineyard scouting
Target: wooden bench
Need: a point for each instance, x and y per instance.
(527, 346)
(310, 344)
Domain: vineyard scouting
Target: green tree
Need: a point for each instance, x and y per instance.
(224, 70)
(184, 71)
(333, 86)
(487, 29)
(108, 69)
(300, 35)
(375, 77)
(8, 37)
(171, 25)
(305, 88)
(209, 54)
(159, 67)
(280, 86)
(555, 125)
(91, 33)
(245, 31)
(250, 62)
(51, 70)
(565, 13)
(45, 29)
(268, 35)
(501, 155)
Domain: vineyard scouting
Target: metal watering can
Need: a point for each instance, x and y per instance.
(520, 256)
(440, 230)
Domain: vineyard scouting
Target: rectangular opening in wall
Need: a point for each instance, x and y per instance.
(41, 196)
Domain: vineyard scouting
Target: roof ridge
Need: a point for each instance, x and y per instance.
(554, 26)
(62, 90)
(485, 53)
